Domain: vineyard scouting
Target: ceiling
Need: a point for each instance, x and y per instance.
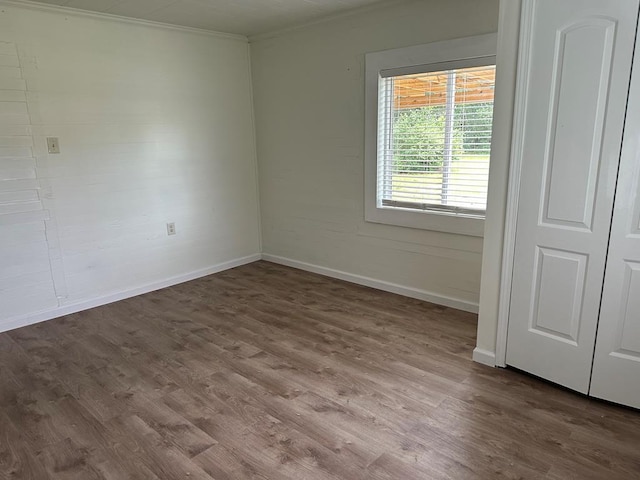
(244, 17)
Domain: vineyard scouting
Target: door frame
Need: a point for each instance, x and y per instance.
(513, 186)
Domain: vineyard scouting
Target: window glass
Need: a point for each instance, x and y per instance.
(434, 139)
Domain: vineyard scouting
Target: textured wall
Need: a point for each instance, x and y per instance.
(309, 104)
(155, 126)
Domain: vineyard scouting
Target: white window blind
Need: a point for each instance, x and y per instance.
(434, 139)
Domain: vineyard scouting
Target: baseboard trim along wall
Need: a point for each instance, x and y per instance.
(374, 283)
(484, 357)
(23, 321)
(481, 356)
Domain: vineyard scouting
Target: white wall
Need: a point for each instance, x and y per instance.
(309, 104)
(155, 126)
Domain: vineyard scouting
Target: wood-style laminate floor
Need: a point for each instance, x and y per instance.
(265, 372)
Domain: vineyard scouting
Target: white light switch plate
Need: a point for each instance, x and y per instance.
(53, 145)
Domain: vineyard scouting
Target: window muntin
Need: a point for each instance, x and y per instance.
(434, 138)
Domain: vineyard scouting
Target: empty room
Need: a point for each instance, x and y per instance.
(319, 239)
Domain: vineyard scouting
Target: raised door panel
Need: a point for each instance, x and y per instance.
(558, 293)
(575, 59)
(628, 329)
(572, 166)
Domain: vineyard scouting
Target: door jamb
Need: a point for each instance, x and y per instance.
(513, 190)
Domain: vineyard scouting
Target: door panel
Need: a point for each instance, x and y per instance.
(569, 163)
(575, 67)
(628, 331)
(558, 293)
(616, 366)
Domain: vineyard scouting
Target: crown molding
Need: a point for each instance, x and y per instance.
(120, 19)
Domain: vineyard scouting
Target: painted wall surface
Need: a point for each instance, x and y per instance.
(155, 126)
(309, 105)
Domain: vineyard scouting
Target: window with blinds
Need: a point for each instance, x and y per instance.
(434, 140)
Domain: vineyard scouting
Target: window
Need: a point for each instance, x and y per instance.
(429, 118)
(434, 140)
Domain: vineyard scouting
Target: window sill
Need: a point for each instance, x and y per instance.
(428, 220)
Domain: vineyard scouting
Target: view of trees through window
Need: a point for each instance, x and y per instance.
(419, 142)
(436, 139)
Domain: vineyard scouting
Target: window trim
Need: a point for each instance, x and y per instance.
(457, 53)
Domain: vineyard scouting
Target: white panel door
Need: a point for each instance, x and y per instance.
(574, 76)
(616, 366)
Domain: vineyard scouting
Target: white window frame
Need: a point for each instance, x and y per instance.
(464, 52)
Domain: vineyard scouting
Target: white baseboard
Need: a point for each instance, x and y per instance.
(484, 357)
(23, 321)
(378, 284)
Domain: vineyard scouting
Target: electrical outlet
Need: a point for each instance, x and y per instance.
(171, 228)
(53, 145)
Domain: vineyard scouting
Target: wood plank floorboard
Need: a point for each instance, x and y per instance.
(267, 372)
